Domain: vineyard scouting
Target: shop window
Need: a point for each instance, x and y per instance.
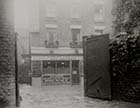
(49, 67)
(75, 64)
(63, 67)
(75, 72)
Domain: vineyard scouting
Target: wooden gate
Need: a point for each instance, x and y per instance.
(96, 67)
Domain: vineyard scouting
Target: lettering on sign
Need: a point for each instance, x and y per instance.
(56, 79)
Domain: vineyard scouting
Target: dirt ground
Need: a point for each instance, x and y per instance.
(65, 96)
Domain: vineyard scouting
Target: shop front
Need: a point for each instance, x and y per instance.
(57, 70)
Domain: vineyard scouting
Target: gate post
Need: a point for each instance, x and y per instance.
(84, 63)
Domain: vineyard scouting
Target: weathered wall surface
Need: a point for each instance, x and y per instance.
(7, 54)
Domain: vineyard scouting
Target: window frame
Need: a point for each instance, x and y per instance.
(77, 36)
(100, 16)
(54, 38)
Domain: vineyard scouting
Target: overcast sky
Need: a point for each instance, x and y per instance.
(21, 13)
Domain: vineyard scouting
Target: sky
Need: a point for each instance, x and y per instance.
(26, 14)
(21, 13)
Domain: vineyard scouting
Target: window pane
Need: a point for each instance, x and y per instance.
(75, 35)
(75, 11)
(99, 13)
(63, 67)
(51, 9)
(49, 67)
(50, 12)
(98, 31)
(51, 35)
(75, 66)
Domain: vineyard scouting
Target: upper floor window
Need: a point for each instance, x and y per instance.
(99, 12)
(51, 12)
(99, 30)
(51, 35)
(50, 9)
(75, 11)
(75, 35)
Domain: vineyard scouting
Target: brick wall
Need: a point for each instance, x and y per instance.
(7, 54)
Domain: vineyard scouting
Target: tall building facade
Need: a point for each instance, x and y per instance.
(8, 75)
(57, 27)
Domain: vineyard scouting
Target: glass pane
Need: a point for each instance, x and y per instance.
(63, 66)
(51, 37)
(75, 35)
(51, 34)
(49, 67)
(75, 64)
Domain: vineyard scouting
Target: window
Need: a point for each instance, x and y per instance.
(75, 35)
(51, 32)
(63, 67)
(98, 31)
(51, 10)
(49, 67)
(75, 11)
(98, 13)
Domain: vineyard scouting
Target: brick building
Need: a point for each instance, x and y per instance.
(56, 30)
(7, 56)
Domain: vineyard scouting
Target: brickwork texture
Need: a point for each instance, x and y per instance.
(7, 55)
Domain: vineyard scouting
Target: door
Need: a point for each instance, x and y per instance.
(75, 72)
(96, 67)
(36, 73)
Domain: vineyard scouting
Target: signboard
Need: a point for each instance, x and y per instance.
(54, 79)
(34, 58)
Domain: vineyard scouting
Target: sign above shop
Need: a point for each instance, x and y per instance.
(57, 57)
(60, 50)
